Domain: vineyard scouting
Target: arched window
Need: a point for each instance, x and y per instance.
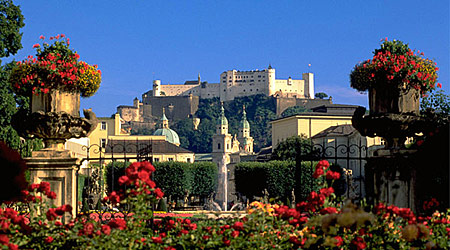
(218, 145)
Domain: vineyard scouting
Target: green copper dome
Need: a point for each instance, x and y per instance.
(171, 136)
(244, 123)
(222, 119)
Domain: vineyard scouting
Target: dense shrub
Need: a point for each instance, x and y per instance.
(204, 176)
(174, 178)
(277, 177)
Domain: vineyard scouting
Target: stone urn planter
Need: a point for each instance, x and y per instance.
(54, 117)
(394, 100)
(56, 101)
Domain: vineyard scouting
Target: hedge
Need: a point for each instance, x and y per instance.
(204, 179)
(277, 177)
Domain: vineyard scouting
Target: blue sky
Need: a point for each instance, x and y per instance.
(136, 41)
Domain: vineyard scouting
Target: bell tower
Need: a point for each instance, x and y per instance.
(244, 138)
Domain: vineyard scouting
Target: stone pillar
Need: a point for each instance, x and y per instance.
(58, 167)
(222, 185)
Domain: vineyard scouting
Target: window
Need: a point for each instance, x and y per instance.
(156, 159)
(218, 145)
(170, 159)
(228, 146)
(103, 143)
(188, 160)
(103, 126)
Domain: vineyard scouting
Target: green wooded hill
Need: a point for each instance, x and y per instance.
(260, 110)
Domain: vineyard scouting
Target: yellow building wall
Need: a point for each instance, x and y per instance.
(308, 125)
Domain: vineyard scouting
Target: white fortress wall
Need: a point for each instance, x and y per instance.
(291, 86)
(209, 90)
(175, 89)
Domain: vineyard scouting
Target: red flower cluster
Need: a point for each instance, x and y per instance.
(137, 176)
(56, 67)
(120, 224)
(396, 64)
(430, 205)
(8, 217)
(54, 213)
(359, 243)
(387, 211)
(43, 187)
(320, 168)
(331, 175)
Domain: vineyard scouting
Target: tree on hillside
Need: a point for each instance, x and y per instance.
(321, 95)
(295, 110)
(260, 111)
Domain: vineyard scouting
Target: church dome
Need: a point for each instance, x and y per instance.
(171, 136)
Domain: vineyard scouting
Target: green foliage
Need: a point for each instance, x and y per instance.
(292, 147)
(11, 20)
(204, 179)
(394, 47)
(295, 110)
(174, 178)
(321, 95)
(437, 101)
(260, 111)
(142, 131)
(7, 108)
(277, 177)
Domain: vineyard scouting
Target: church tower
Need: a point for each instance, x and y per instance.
(222, 140)
(244, 138)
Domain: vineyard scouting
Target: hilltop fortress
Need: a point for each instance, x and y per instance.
(181, 100)
(234, 83)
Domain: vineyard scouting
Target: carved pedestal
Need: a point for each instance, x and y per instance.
(391, 178)
(58, 167)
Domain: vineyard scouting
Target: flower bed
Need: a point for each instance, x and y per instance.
(317, 223)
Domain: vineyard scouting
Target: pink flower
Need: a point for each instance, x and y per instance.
(42, 37)
(37, 45)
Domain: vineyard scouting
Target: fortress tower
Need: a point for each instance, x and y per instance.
(156, 88)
